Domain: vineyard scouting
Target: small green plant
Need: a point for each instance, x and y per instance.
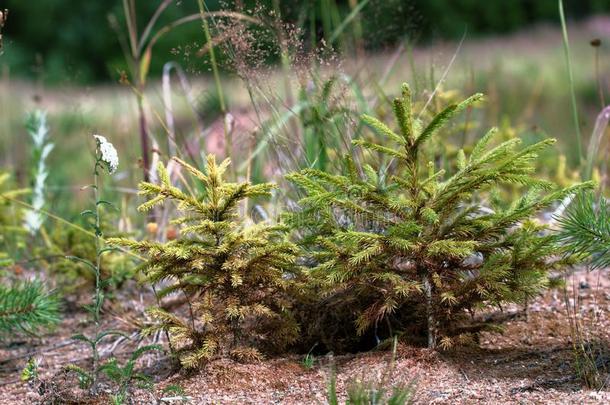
(106, 159)
(71, 277)
(234, 277)
(308, 361)
(373, 391)
(125, 377)
(30, 371)
(422, 246)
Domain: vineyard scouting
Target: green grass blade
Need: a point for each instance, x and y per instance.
(566, 48)
(346, 21)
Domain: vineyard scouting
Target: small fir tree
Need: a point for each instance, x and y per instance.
(421, 241)
(234, 277)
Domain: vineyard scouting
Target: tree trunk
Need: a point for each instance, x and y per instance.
(432, 322)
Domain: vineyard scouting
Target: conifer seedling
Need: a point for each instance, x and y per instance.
(234, 277)
(426, 241)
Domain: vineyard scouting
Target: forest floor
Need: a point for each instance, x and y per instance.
(530, 362)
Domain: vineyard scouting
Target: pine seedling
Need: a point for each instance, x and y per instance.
(422, 241)
(233, 277)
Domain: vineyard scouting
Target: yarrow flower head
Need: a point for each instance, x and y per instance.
(108, 153)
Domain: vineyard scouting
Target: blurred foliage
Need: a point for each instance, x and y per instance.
(449, 18)
(11, 233)
(77, 42)
(71, 276)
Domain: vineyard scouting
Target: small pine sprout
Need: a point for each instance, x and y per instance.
(108, 153)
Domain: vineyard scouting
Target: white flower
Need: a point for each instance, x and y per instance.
(109, 153)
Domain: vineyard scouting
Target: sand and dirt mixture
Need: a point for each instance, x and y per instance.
(530, 362)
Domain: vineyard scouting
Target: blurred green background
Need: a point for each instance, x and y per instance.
(58, 41)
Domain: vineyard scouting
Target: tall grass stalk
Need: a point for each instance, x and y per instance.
(437, 84)
(217, 81)
(139, 67)
(327, 21)
(596, 43)
(352, 16)
(139, 56)
(358, 31)
(3, 17)
(172, 145)
(285, 60)
(566, 48)
(601, 123)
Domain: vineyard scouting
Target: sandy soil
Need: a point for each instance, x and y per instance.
(530, 362)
